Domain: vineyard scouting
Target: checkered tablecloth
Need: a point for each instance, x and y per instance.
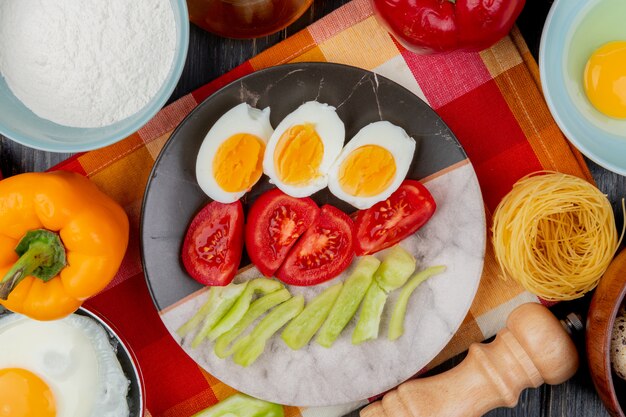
(491, 100)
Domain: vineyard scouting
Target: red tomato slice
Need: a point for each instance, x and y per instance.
(323, 252)
(388, 222)
(275, 222)
(213, 244)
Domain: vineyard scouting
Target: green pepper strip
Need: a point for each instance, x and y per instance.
(371, 312)
(240, 405)
(42, 255)
(259, 285)
(250, 347)
(396, 325)
(209, 306)
(348, 301)
(394, 271)
(221, 299)
(256, 310)
(302, 329)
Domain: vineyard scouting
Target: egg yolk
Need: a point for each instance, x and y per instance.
(605, 79)
(238, 162)
(24, 394)
(298, 155)
(367, 171)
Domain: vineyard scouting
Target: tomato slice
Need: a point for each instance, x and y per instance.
(275, 222)
(214, 243)
(324, 251)
(388, 222)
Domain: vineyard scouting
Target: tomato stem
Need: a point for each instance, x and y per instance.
(42, 255)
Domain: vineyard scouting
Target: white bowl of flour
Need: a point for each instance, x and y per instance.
(77, 75)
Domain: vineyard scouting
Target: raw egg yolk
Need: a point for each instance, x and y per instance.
(298, 155)
(367, 171)
(238, 162)
(605, 79)
(24, 394)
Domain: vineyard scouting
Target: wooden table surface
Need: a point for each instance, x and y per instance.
(210, 56)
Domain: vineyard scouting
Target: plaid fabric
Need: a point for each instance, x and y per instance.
(491, 100)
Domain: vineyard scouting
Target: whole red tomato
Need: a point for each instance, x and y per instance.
(430, 26)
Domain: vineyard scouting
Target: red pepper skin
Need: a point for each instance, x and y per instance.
(434, 26)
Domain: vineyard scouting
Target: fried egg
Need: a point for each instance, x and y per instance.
(230, 160)
(303, 148)
(63, 368)
(372, 165)
(605, 79)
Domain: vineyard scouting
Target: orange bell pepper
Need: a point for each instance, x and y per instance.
(62, 241)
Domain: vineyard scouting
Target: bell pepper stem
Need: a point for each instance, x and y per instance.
(42, 255)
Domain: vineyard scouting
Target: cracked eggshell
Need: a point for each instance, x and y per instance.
(618, 345)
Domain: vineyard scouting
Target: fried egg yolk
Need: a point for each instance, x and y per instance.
(367, 171)
(238, 162)
(24, 394)
(605, 79)
(298, 155)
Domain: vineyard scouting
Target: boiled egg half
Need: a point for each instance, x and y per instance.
(372, 165)
(303, 148)
(230, 160)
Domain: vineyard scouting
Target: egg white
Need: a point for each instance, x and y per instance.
(74, 358)
(332, 133)
(386, 135)
(240, 119)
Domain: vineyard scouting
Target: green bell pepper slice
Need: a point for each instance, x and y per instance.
(393, 272)
(217, 295)
(224, 299)
(396, 268)
(371, 312)
(348, 301)
(241, 306)
(396, 325)
(240, 405)
(251, 346)
(301, 330)
(256, 310)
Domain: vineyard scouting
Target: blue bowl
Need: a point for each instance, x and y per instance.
(570, 36)
(20, 124)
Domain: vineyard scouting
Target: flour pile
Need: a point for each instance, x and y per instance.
(86, 63)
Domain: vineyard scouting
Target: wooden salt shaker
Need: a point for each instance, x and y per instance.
(532, 350)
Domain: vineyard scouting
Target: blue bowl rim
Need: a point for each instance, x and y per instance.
(548, 89)
(154, 106)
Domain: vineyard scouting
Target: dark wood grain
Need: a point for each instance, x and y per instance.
(210, 56)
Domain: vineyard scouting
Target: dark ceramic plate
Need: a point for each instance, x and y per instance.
(455, 236)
